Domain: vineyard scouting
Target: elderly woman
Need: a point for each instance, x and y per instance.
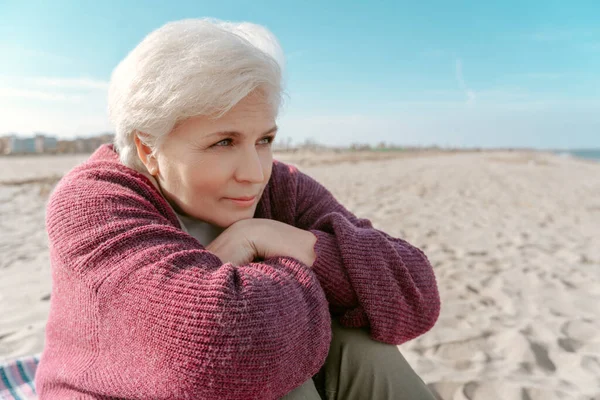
(187, 264)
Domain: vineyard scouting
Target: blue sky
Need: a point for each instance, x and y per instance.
(471, 73)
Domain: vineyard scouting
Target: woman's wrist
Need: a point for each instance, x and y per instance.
(307, 247)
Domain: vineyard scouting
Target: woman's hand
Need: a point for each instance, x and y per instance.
(273, 238)
(249, 239)
(234, 244)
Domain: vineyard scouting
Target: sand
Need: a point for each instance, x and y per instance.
(514, 238)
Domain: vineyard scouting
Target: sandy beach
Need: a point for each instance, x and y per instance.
(514, 238)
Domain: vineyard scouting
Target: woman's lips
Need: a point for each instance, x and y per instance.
(242, 201)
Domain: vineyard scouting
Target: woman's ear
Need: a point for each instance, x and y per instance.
(145, 154)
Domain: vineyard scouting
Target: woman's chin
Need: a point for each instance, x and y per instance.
(231, 218)
(222, 217)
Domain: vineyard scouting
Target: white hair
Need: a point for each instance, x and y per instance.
(189, 68)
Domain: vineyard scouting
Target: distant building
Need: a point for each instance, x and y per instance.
(22, 145)
(45, 144)
(12, 144)
(42, 144)
(4, 145)
(89, 145)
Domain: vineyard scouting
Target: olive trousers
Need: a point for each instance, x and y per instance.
(359, 368)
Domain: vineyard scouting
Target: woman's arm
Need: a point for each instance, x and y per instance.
(194, 324)
(249, 239)
(369, 277)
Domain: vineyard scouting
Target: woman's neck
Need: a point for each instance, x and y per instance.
(202, 231)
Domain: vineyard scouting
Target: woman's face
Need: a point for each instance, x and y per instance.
(215, 170)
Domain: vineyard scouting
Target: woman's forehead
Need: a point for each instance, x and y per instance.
(253, 115)
(231, 126)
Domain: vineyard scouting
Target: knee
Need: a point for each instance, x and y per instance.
(357, 346)
(364, 368)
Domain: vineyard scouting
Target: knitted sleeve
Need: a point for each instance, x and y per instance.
(369, 277)
(171, 316)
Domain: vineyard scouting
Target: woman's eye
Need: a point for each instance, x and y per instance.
(265, 140)
(224, 142)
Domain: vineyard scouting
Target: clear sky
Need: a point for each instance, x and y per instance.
(462, 73)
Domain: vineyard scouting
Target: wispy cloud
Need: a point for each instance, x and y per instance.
(469, 93)
(70, 83)
(33, 54)
(41, 54)
(57, 105)
(38, 95)
(51, 88)
(75, 120)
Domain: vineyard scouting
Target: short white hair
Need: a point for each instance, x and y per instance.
(185, 69)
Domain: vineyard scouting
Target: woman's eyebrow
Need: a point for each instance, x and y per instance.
(236, 134)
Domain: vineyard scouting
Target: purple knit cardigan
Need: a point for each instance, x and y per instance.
(140, 310)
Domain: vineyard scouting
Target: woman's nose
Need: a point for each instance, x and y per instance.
(250, 167)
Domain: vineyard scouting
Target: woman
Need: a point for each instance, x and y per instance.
(187, 264)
